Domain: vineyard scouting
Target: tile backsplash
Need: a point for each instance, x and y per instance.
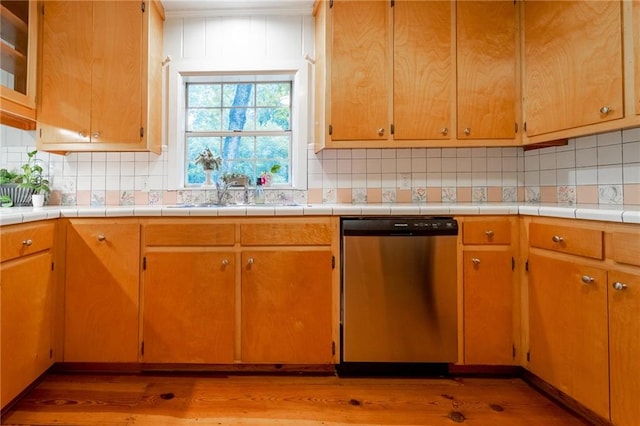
(600, 169)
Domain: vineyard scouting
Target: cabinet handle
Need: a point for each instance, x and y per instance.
(27, 243)
(619, 286)
(467, 131)
(250, 261)
(488, 233)
(557, 239)
(225, 262)
(587, 279)
(95, 135)
(380, 131)
(605, 110)
(101, 237)
(475, 261)
(444, 131)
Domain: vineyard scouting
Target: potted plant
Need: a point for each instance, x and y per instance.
(267, 177)
(22, 186)
(209, 163)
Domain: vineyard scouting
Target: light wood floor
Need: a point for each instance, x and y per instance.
(153, 399)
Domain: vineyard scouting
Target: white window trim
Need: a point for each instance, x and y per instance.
(178, 72)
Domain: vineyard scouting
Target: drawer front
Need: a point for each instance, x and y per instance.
(487, 232)
(626, 247)
(190, 234)
(298, 234)
(21, 240)
(567, 239)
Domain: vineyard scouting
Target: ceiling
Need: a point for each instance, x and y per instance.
(174, 7)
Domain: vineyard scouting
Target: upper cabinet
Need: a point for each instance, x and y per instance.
(575, 67)
(100, 74)
(386, 73)
(18, 63)
(635, 31)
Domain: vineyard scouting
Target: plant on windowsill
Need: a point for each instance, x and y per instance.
(267, 177)
(209, 164)
(21, 187)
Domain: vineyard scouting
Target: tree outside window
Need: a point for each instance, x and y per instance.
(248, 124)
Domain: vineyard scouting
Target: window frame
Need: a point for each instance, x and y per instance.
(180, 73)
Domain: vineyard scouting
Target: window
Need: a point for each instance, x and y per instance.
(246, 123)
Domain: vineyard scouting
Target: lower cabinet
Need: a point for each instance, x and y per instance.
(101, 291)
(286, 306)
(189, 307)
(27, 297)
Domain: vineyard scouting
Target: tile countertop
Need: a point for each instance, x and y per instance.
(612, 213)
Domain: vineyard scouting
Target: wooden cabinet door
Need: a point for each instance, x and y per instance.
(488, 307)
(568, 329)
(624, 347)
(286, 306)
(116, 84)
(422, 77)
(189, 307)
(26, 323)
(572, 64)
(102, 292)
(636, 45)
(360, 70)
(65, 67)
(486, 65)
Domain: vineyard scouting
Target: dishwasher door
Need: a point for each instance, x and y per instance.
(399, 299)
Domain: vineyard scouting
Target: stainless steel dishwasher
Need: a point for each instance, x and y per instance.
(399, 296)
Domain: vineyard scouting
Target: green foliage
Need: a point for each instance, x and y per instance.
(31, 176)
(7, 177)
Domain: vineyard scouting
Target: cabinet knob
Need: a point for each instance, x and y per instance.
(101, 237)
(380, 131)
(82, 134)
(475, 261)
(444, 131)
(587, 279)
(225, 262)
(605, 110)
(27, 243)
(619, 286)
(467, 131)
(95, 135)
(250, 261)
(489, 233)
(557, 239)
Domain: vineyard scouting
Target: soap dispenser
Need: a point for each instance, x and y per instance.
(258, 196)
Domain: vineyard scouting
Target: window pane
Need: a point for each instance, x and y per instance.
(273, 119)
(203, 120)
(194, 146)
(245, 167)
(204, 95)
(238, 119)
(273, 94)
(236, 95)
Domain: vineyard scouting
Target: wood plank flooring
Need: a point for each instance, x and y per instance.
(159, 399)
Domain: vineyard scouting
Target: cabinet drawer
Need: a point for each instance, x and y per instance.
(567, 239)
(190, 234)
(626, 247)
(299, 234)
(487, 232)
(21, 240)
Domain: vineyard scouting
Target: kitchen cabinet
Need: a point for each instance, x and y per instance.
(635, 31)
(18, 65)
(386, 75)
(489, 283)
(574, 73)
(27, 305)
(239, 291)
(486, 69)
(100, 76)
(189, 287)
(102, 290)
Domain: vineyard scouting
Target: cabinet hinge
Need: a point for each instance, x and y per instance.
(393, 128)
(141, 132)
(513, 264)
(528, 357)
(330, 129)
(526, 266)
(516, 127)
(43, 10)
(52, 266)
(330, 4)
(143, 7)
(393, 3)
(41, 133)
(513, 351)
(50, 353)
(333, 348)
(524, 126)
(144, 263)
(333, 262)
(142, 348)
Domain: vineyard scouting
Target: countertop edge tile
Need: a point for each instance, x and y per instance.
(597, 214)
(289, 211)
(198, 212)
(405, 209)
(434, 209)
(261, 211)
(564, 212)
(11, 219)
(631, 216)
(464, 209)
(529, 210)
(347, 209)
(120, 211)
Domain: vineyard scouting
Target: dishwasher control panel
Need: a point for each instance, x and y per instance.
(399, 226)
